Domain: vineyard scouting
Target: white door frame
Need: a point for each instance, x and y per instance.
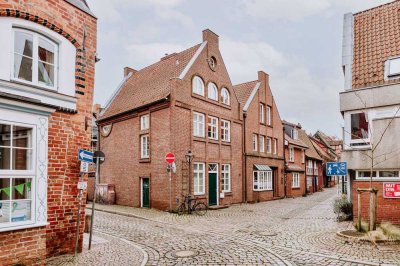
(216, 172)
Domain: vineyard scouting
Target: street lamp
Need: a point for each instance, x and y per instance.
(189, 159)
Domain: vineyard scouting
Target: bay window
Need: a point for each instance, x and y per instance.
(262, 180)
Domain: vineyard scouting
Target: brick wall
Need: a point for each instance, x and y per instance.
(295, 192)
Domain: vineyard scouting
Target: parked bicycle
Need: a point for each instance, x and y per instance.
(190, 206)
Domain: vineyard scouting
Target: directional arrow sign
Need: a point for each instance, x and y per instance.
(85, 156)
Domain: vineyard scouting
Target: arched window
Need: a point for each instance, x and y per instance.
(212, 91)
(225, 98)
(198, 86)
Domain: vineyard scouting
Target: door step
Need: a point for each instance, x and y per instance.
(216, 207)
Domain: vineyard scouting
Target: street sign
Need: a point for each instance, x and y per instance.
(82, 185)
(336, 168)
(100, 155)
(170, 158)
(84, 167)
(85, 156)
(391, 190)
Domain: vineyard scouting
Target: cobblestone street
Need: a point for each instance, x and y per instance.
(302, 232)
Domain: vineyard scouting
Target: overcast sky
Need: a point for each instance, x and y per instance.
(298, 42)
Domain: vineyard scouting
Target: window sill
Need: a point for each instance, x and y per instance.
(202, 139)
(30, 84)
(21, 227)
(261, 190)
(144, 160)
(144, 131)
(295, 188)
(226, 143)
(199, 194)
(215, 141)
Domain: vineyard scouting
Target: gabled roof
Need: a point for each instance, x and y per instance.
(82, 5)
(324, 154)
(311, 151)
(296, 142)
(149, 85)
(244, 90)
(328, 140)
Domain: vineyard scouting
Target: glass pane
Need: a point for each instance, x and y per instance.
(46, 51)
(366, 174)
(5, 135)
(5, 158)
(5, 190)
(22, 67)
(22, 159)
(388, 173)
(22, 137)
(359, 126)
(21, 188)
(4, 212)
(23, 43)
(46, 74)
(20, 210)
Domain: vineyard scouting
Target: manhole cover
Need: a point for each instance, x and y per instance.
(181, 254)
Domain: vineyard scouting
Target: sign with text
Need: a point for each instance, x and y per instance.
(391, 190)
(336, 168)
(85, 156)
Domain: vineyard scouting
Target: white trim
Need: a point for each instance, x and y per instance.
(116, 92)
(192, 60)
(252, 95)
(208, 178)
(204, 178)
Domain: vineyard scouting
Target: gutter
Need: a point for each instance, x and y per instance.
(245, 157)
(284, 163)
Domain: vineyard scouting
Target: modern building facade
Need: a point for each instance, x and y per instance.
(47, 52)
(370, 106)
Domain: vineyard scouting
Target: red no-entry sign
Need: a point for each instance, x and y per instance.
(170, 158)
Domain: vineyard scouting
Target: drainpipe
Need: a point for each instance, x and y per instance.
(284, 163)
(245, 157)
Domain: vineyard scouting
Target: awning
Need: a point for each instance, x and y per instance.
(262, 167)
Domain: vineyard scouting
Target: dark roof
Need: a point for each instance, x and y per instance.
(310, 152)
(243, 91)
(328, 140)
(284, 122)
(296, 142)
(149, 85)
(82, 5)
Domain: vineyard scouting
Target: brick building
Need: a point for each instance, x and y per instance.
(262, 141)
(370, 105)
(185, 102)
(46, 90)
(295, 161)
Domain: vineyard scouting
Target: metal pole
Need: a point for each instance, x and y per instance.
(170, 189)
(79, 217)
(94, 201)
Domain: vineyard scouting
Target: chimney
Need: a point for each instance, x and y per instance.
(166, 56)
(128, 70)
(210, 37)
(263, 77)
(96, 108)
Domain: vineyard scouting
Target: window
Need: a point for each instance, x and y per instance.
(225, 130)
(198, 125)
(315, 165)
(303, 156)
(144, 122)
(212, 128)
(268, 115)
(255, 144)
(225, 98)
(17, 179)
(198, 86)
(295, 134)
(382, 174)
(262, 180)
(145, 146)
(262, 115)
(226, 177)
(35, 59)
(212, 91)
(198, 178)
(394, 67)
(291, 154)
(309, 167)
(295, 180)
(359, 129)
(262, 144)
(275, 146)
(269, 145)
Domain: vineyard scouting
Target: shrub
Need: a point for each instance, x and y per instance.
(392, 232)
(343, 208)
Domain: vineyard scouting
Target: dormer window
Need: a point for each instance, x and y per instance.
(35, 59)
(198, 86)
(225, 98)
(212, 92)
(295, 134)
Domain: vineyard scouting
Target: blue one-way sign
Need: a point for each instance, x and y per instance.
(336, 168)
(85, 156)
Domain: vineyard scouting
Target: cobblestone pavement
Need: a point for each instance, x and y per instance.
(299, 231)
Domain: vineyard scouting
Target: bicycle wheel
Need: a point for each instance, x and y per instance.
(200, 209)
(181, 209)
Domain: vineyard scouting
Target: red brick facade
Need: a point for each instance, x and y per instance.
(66, 134)
(295, 167)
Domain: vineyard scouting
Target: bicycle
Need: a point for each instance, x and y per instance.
(190, 206)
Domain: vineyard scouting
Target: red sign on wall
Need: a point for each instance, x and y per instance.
(391, 190)
(170, 158)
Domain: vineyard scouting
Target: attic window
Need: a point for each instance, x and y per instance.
(393, 66)
(212, 62)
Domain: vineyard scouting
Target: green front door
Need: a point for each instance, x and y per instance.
(145, 193)
(212, 189)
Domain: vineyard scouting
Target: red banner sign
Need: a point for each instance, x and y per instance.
(391, 190)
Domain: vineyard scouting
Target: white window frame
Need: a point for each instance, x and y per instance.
(275, 146)
(196, 178)
(377, 176)
(212, 88)
(225, 130)
(310, 168)
(145, 122)
(262, 143)
(262, 113)
(199, 125)
(145, 151)
(269, 145)
(392, 68)
(198, 86)
(295, 180)
(357, 143)
(225, 96)
(255, 142)
(212, 128)
(268, 112)
(295, 133)
(35, 59)
(226, 177)
(291, 154)
(303, 156)
(264, 181)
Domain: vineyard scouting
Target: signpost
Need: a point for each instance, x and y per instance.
(336, 168)
(391, 190)
(170, 159)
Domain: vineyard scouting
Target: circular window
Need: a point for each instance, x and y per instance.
(212, 62)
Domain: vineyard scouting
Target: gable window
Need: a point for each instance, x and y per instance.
(262, 180)
(198, 86)
(198, 178)
(262, 144)
(144, 122)
(145, 146)
(212, 91)
(275, 146)
(226, 177)
(295, 134)
(198, 125)
(35, 59)
(268, 115)
(225, 98)
(269, 145)
(262, 115)
(291, 154)
(225, 130)
(213, 128)
(255, 143)
(295, 180)
(359, 129)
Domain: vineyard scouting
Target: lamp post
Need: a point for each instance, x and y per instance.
(189, 159)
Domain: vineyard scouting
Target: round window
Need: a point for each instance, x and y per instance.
(212, 62)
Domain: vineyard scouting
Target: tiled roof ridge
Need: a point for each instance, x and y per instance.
(375, 7)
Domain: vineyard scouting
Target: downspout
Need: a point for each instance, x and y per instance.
(245, 157)
(284, 163)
